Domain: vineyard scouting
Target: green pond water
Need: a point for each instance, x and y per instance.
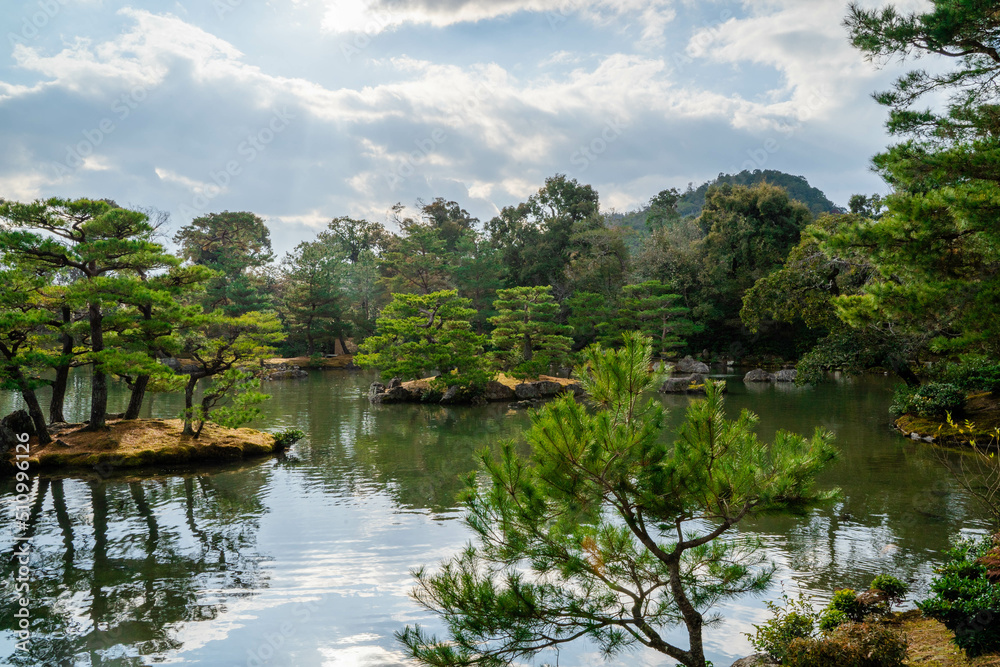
(303, 559)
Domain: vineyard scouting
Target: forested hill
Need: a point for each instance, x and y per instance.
(692, 201)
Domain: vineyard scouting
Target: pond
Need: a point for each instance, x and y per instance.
(303, 559)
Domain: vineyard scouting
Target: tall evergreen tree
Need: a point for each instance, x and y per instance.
(312, 300)
(526, 335)
(237, 245)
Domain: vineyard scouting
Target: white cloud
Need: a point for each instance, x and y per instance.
(376, 16)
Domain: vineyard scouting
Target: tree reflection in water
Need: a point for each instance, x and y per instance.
(119, 566)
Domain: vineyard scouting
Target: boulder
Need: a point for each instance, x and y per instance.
(548, 388)
(395, 383)
(758, 660)
(758, 375)
(786, 375)
(526, 390)
(683, 384)
(19, 422)
(379, 393)
(452, 395)
(496, 391)
(688, 366)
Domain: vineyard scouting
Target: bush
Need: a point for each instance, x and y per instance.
(288, 437)
(795, 619)
(849, 645)
(972, 373)
(893, 589)
(965, 599)
(934, 399)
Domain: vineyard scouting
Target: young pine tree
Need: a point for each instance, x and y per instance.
(608, 531)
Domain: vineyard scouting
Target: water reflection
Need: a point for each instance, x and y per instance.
(119, 566)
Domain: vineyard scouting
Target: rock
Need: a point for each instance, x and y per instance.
(786, 375)
(379, 393)
(688, 365)
(395, 382)
(683, 384)
(526, 390)
(758, 660)
(375, 389)
(19, 422)
(758, 375)
(452, 395)
(548, 388)
(496, 391)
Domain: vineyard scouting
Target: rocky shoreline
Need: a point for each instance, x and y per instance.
(502, 389)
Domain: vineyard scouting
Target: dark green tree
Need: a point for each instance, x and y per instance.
(749, 233)
(312, 298)
(421, 333)
(935, 247)
(651, 308)
(526, 335)
(224, 349)
(110, 248)
(237, 245)
(609, 531)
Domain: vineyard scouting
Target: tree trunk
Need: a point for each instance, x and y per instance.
(138, 394)
(905, 373)
(62, 373)
(526, 352)
(35, 411)
(189, 404)
(99, 380)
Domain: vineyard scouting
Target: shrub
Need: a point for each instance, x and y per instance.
(846, 602)
(934, 399)
(965, 599)
(832, 618)
(972, 373)
(288, 437)
(849, 645)
(794, 619)
(894, 589)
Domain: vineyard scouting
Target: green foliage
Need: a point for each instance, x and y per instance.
(965, 598)
(237, 245)
(651, 307)
(850, 645)
(936, 246)
(420, 333)
(285, 438)
(535, 239)
(526, 336)
(312, 304)
(934, 399)
(832, 618)
(972, 373)
(846, 602)
(894, 589)
(798, 188)
(242, 386)
(794, 619)
(606, 512)
(587, 312)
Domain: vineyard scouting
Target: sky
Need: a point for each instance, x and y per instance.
(305, 110)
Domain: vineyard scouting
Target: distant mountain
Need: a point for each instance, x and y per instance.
(693, 200)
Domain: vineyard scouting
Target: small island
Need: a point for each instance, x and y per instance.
(142, 442)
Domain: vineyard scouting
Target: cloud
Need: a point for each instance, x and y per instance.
(376, 16)
(192, 114)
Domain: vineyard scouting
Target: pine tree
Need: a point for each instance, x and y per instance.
(652, 308)
(417, 334)
(608, 531)
(110, 247)
(526, 335)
